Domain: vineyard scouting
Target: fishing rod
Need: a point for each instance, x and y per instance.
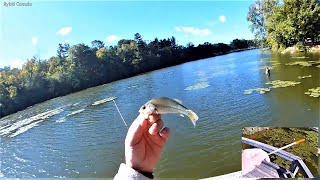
(284, 147)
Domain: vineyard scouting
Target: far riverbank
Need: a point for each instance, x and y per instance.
(20, 98)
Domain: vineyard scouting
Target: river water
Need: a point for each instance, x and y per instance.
(69, 137)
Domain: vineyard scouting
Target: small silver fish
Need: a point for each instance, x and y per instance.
(166, 105)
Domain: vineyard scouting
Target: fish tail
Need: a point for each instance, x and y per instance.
(193, 116)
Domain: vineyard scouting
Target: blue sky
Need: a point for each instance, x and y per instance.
(37, 29)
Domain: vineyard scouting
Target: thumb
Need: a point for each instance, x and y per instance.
(259, 157)
(136, 130)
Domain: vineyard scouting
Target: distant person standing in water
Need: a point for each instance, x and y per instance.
(267, 71)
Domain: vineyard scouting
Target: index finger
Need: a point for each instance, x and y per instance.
(136, 130)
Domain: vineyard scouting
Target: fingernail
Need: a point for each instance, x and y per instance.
(164, 131)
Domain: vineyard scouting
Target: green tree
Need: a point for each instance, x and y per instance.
(5, 101)
(258, 14)
(62, 51)
(101, 53)
(285, 24)
(12, 91)
(97, 44)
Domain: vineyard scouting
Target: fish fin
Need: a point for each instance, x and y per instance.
(181, 115)
(193, 117)
(178, 100)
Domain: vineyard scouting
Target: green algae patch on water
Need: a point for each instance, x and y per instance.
(301, 57)
(103, 101)
(303, 77)
(279, 137)
(260, 90)
(281, 84)
(303, 63)
(313, 92)
(197, 86)
(275, 84)
(314, 62)
(300, 63)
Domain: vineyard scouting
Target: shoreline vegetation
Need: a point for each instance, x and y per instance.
(286, 26)
(247, 131)
(294, 49)
(80, 66)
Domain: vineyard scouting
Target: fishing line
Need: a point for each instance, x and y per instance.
(155, 176)
(119, 112)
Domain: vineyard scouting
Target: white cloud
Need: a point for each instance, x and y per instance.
(16, 63)
(222, 19)
(34, 40)
(64, 31)
(194, 31)
(112, 38)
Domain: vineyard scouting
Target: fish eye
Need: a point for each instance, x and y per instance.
(143, 107)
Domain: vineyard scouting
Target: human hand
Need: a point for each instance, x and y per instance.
(252, 158)
(144, 142)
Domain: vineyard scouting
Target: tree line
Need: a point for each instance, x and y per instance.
(80, 66)
(281, 24)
